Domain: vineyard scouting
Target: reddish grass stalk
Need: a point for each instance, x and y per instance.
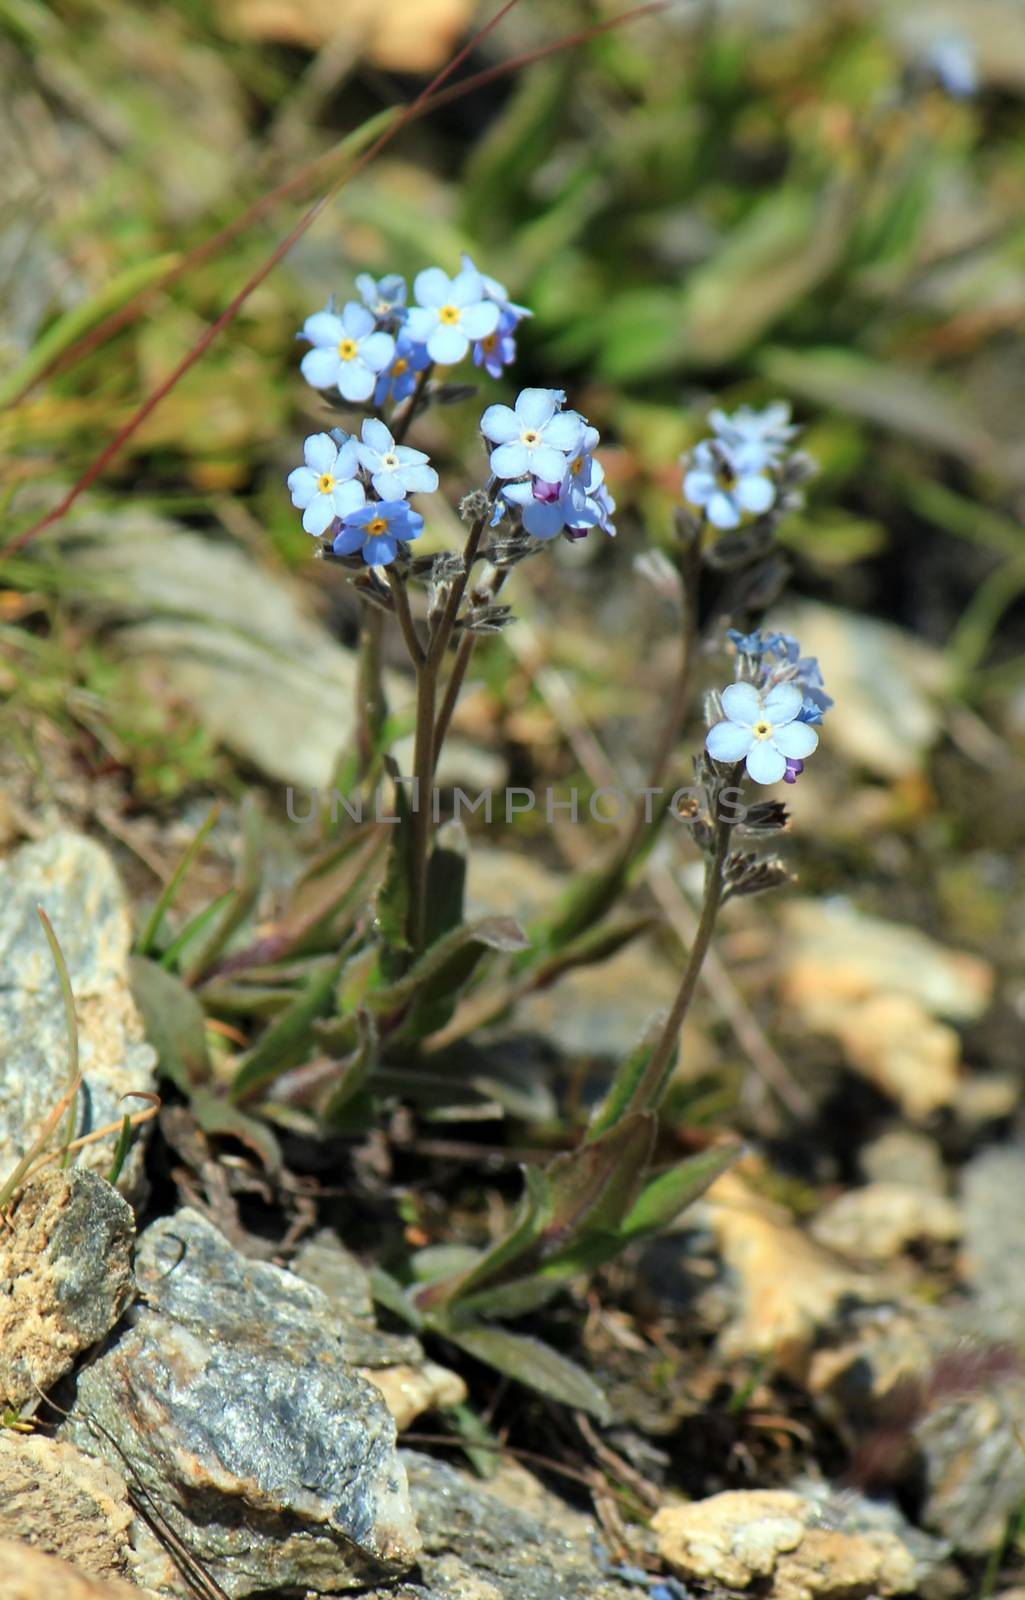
(428, 99)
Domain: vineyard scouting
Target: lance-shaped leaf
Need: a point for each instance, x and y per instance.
(354, 1072)
(282, 1044)
(216, 1115)
(498, 1262)
(672, 1191)
(174, 1022)
(392, 908)
(535, 1364)
(622, 1097)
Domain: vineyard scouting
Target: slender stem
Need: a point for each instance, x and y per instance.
(652, 1084)
(458, 674)
(420, 831)
(402, 425)
(410, 636)
(371, 708)
(426, 748)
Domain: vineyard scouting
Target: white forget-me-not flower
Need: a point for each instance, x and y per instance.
(535, 438)
(450, 313)
(395, 469)
(761, 728)
(727, 481)
(327, 486)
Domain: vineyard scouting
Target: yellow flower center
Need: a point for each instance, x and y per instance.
(376, 528)
(577, 466)
(530, 437)
(489, 342)
(725, 475)
(390, 460)
(325, 483)
(399, 366)
(348, 349)
(762, 729)
(449, 315)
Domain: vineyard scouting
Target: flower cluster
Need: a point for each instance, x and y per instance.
(377, 345)
(772, 710)
(544, 456)
(732, 474)
(332, 491)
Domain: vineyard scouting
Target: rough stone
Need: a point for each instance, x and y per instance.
(904, 1155)
(230, 1400)
(27, 1574)
(65, 1277)
(64, 1503)
(993, 1199)
(410, 1391)
(973, 1465)
(76, 883)
(324, 1261)
(879, 1221)
(769, 1537)
(789, 1286)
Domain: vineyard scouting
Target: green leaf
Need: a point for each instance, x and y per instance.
(672, 1191)
(590, 1189)
(243, 896)
(446, 881)
(354, 1072)
(535, 1364)
(392, 908)
(218, 1116)
(148, 936)
(174, 1022)
(620, 1099)
(124, 1140)
(286, 1040)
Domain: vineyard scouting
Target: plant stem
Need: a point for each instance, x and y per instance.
(371, 708)
(402, 426)
(652, 1085)
(457, 675)
(410, 637)
(426, 747)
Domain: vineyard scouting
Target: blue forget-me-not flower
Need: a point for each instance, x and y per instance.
(385, 297)
(348, 350)
(576, 504)
(762, 729)
(376, 530)
(770, 428)
(450, 313)
(326, 488)
(398, 380)
(395, 469)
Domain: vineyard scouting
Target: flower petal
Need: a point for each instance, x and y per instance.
(380, 550)
(795, 739)
(302, 485)
(699, 486)
(347, 497)
(565, 432)
(447, 345)
(501, 424)
(510, 461)
(722, 510)
(421, 322)
(765, 763)
(742, 703)
(319, 515)
(728, 741)
(479, 320)
(417, 479)
(376, 435)
(535, 407)
(548, 463)
(357, 320)
(466, 288)
(348, 541)
(320, 367)
(543, 521)
(323, 328)
(755, 493)
(355, 381)
(431, 287)
(783, 703)
(377, 350)
(320, 452)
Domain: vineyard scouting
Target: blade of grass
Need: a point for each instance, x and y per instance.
(17, 1177)
(148, 937)
(71, 1023)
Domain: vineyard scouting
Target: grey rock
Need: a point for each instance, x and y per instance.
(904, 1155)
(993, 1204)
(974, 1465)
(508, 1539)
(232, 1404)
(324, 1261)
(65, 1277)
(76, 883)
